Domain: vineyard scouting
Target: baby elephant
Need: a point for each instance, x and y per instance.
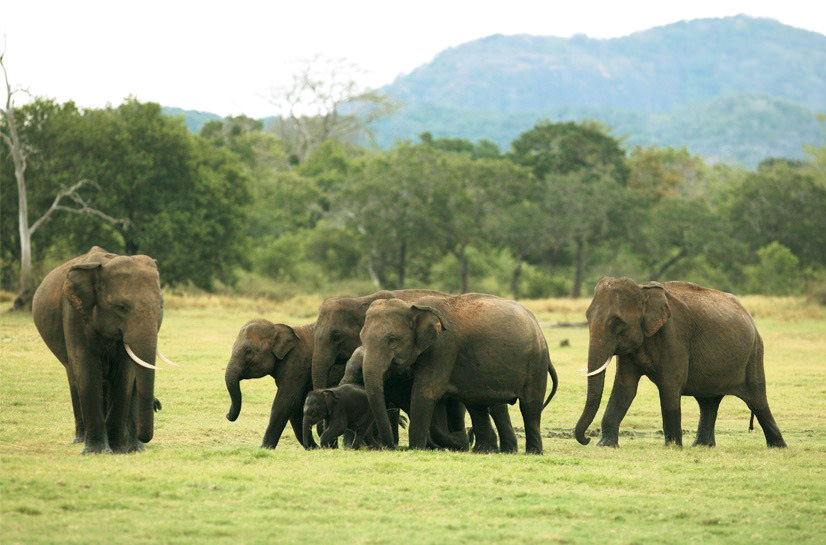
(344, 408)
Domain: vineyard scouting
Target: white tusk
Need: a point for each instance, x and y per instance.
(166, 360)
(136, 359)
(601, 369)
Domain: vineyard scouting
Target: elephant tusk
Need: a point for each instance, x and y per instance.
(601, 369)
(136, 359)
(166, 360)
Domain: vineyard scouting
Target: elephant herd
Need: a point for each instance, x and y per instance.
(432, 356)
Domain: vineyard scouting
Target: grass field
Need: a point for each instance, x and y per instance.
(204, 480)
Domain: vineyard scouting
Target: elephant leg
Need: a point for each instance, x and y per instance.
(759, 405)
(349, 439)
(135, 444)
(454, 414)
(486, 440)
(296, 422)
(708, 417)
(80, 431)
(282, 407)
(335, 428)
(502, 419)
(421, 411)
(672, 422)
(394, 425)
(531, 410)
(121, 387)
(622, 394)
(90, 393)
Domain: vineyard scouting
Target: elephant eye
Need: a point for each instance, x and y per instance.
(336, 336)
(393, 339)
(123, 308)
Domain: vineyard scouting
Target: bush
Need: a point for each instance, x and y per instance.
(777, 273)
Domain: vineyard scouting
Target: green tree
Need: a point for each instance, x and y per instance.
(777, 272)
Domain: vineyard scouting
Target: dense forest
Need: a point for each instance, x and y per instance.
(239, 207)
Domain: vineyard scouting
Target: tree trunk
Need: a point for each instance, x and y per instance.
(400, 270)
(516, 279)
(463, 269)
(579, 268)
(25, 284)
(657, 274)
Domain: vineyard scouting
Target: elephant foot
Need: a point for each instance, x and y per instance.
(97, 449)
(136, 446)
(611, 442)
(777, 444)
(269, 446)
(703, 443)
(79, 438)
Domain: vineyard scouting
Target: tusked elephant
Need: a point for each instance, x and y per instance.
(99, 314)
(285, 353)
(480, 349)
(689, 340)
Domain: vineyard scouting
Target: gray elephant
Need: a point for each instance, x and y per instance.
(397, 392)
(344, 408)
(480, 349)
(689, 340)
(285, 353)
(99, 314)
(339, 322)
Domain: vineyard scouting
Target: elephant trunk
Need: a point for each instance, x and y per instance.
(598, 353)
(232, 377)
(145, 348)
(307, 433)
(323, 360)
(374, 385)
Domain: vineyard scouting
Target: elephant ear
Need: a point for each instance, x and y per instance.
(330, 400)
(427, 326)
(80, 287)
(656, 311)
(283, 341)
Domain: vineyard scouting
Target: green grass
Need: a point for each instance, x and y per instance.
(204, 480)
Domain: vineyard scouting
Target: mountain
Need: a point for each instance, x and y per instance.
(193, 119)
(735, 89)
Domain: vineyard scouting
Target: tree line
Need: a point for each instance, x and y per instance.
(566, 204)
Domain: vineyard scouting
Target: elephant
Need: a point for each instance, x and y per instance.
(338, 324)
(344, 408)
(689, 340)
(480, 349)
(397, 392)
(99, 314)
(285, 353)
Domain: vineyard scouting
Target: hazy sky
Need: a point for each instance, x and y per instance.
(225, 57)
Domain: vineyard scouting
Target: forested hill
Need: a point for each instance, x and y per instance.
(736, 89)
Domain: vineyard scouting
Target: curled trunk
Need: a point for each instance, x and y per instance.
(233, 379)
(597, 355)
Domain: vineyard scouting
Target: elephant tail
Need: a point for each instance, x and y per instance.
(554, 379)
(751, 421)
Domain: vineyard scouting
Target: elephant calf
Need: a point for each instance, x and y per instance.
(344, 408)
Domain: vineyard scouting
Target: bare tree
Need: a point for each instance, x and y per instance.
(19, 154)
(325, 102)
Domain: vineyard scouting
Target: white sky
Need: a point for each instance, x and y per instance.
(224, 57)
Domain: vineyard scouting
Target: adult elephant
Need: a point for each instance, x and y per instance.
(338, 324)
(688, 340)
(285, 353)
(99, 314)
(480, 349)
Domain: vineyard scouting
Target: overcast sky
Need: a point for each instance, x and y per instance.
(225, 57)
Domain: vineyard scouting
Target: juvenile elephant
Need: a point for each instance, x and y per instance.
(397, 392)
(339, 322)
(689, 340)
(99, 314)
(285, 353)
(344, 408)
(478, 348)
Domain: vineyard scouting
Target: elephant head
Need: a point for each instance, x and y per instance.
(620, 316)
(318, 406)
(337, 332)
(120, 298)
(260, 345)
(395, 333)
